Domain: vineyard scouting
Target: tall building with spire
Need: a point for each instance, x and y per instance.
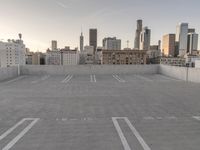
(137, 34)
(81, 42)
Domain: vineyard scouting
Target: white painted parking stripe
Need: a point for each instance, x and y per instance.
(138, 136)
(93, 78)
(67, 79)
(45, 77)
(196, 117)
(144, 78)
(121, 80)
(21, 134)
(118, 78)
(16, 79)
(172, 118)
(159, 118)
(11, 129)
(134, 131)
(149, 118)
(41, 79)
(63, 81)
(167, 78)
(121, 135)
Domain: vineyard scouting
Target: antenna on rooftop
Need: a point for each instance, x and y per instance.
(81, 30)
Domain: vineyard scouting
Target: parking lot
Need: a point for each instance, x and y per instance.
(99, 112)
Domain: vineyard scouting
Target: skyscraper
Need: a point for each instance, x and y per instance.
(192, 42)
(168, 46)
(81, 42)
(181, 38)
(93, 39)
(137, 34)
(111, 43)
(54, 45)
(191, 30)
(145, 39)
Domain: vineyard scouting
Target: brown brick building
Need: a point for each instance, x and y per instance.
(123, 57)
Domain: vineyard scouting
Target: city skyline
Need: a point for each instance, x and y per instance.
(62, 20)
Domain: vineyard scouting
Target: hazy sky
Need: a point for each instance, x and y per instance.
(41, 21)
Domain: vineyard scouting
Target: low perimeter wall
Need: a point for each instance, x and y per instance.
(89, 69)
(182, 73)
(8, 73)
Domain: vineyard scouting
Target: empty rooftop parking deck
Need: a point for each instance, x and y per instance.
(99, 111)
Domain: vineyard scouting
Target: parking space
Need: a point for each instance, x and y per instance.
(110, 112)
(115, 133)
(89, 78)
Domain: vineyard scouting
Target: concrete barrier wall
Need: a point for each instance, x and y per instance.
(194, 75)
(182, 73)
(89, 69)
(173, 71)
(8, 73)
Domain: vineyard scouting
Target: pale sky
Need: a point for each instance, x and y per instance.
(41, 21)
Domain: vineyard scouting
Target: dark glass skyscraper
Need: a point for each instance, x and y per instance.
(137, 34)
(93, 38)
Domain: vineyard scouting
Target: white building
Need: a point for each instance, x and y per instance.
(12, 53)
(64, 57)
(69, 57)
(87, 56)
(145, 39)
(111, 43)
(53, 57)
(181, 38)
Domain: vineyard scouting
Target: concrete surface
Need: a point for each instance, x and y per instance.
(89, 69)
(7, 73)
(183, 73)
(99, 112)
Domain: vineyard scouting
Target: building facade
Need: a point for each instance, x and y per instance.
(69, 57)
(174, 61)
(137, 34)
(123, 57)
(168, 46)
(32, 58)
(35, 58)
(53, 57)
(145, 39)
(54, 46)
(111, 43)
(93, 39)
(87, 56)
(181, 38)
(192, 42)
(12, 53)
(81, 42)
